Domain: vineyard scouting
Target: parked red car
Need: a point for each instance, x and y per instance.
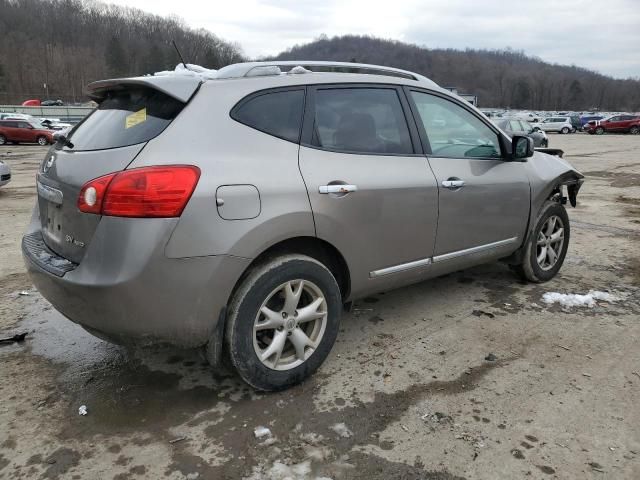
(21, 131)
(617, 123)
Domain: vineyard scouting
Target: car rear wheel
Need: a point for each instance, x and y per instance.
(547, 246)
(3, 140)
(42, 140)
(634, 130)
(599, 131)
(565, 130)
(283, 321)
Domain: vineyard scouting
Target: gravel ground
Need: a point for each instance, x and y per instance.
(407, 393)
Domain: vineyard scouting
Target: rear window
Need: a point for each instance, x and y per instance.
(277, 113)
(125, 118)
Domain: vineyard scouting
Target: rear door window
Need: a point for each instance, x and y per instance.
(515, 126)
(277, 113)
(361, 120)
(125, 118)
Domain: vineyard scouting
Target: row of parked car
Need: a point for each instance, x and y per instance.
(566, 122)
(594, 125)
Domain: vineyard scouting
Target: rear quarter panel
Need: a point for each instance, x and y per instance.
(230, 153)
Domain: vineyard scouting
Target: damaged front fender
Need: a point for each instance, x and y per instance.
(549, 176)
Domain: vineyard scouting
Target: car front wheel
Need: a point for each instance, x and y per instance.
(599, 131)
(42, 141)
(547, 245)
(283, 321)
(3, 140)
(634, 130)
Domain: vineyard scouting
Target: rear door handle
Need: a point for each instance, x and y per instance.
(453, 183)
(326, 189)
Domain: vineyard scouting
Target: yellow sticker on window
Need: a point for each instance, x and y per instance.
(135, 118)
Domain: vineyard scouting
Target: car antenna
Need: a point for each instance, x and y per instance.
(179, 54)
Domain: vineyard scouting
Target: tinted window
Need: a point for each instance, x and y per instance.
(125, 118)
(275, 113)
(361, 120)
(454, 131)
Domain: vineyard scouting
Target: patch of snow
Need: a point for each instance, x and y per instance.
(23, 293)
(342, 430)
(260, 432)
(299, 69)
(82, 410)
(189, 71)
(576, 300)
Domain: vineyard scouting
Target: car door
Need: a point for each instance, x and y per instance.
(25, 132)
(484, 198)
(613, 124)
(372, 193)
(12, 131)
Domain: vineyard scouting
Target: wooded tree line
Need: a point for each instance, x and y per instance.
(500, 78)
(67, 44)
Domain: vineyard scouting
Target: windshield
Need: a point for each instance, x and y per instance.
(125, 118)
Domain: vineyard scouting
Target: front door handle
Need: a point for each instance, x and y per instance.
(326, 189)
(453, 183)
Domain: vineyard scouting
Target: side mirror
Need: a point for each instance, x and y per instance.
(521, 147)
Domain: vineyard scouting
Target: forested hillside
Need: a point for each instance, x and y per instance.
(500, 78)
(69, 43)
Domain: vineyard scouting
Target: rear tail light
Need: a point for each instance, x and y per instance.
(140, 192)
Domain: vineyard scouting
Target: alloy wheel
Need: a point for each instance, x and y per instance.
(290, 324)
(550, 242)
(42, 141)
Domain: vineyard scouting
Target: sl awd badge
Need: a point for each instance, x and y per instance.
(48, 164)
(73, 241)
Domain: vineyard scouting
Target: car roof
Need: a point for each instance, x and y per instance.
(272, 74)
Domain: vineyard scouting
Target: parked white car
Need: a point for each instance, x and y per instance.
(556, 124)
(527, 117)
(5, 173)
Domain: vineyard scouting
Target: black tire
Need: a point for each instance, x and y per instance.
(42, 140)
(599, 131)
(529, 269)
(565, 130)
(635, 130)
(3, 140)
(243, 311)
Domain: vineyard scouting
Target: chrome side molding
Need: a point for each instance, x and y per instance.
(400, 268)
(440, 258)
(478, 249)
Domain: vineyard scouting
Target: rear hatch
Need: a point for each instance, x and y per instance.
(130, 112)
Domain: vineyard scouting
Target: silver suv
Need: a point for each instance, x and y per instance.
(241, 213)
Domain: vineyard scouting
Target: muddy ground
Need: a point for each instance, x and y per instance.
(407, 378)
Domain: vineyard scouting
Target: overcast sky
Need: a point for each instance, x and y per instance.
(599, 35)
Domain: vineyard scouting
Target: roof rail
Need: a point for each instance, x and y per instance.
(239, 70)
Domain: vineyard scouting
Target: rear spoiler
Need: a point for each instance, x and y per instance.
(180, 87)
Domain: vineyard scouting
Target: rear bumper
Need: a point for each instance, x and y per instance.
(127, 290)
